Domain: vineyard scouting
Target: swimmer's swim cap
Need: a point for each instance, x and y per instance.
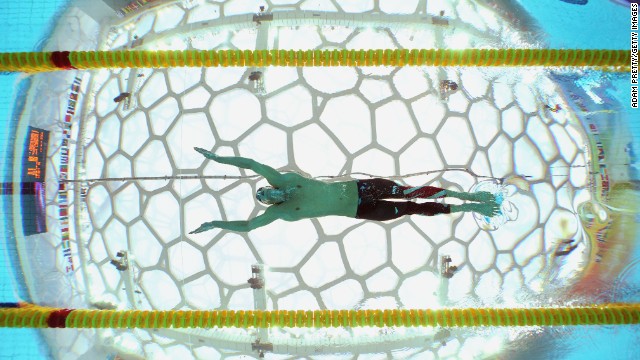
(269, 195)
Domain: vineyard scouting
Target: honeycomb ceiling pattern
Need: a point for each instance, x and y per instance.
(322, 121)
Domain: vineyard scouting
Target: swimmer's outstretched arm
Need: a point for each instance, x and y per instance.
(272, 175)
(242, 226)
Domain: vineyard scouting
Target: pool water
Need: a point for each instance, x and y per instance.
(29, 23)
(326, 263)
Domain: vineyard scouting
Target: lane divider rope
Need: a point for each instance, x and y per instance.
(34, 316)
(31, 62)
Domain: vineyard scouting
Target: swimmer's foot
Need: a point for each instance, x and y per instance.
(489, 209)
(483, 196)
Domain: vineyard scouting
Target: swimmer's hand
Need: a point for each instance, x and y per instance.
(206, 153)
(204, 227)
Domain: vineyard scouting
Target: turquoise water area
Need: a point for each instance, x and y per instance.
(568, 26)
(25, 26)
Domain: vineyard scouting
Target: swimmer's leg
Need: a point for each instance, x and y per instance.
(489, 209)
(424, 192)
(428, 208)
(480, 196)
(431, 192)
(386, 189)
(378, 189)
(388, 210)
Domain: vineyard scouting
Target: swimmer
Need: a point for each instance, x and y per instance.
(293, 197)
